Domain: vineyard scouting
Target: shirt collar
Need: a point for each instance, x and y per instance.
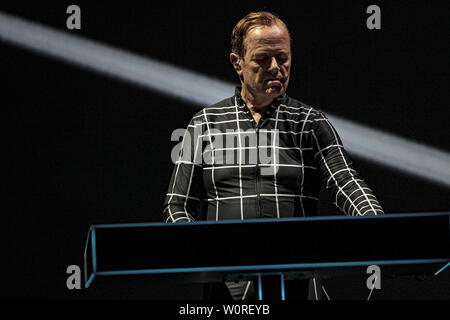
(274, 104)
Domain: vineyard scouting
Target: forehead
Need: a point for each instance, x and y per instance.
(273, 37)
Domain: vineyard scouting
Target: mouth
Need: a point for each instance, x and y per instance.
(274, 82)
(274, 79)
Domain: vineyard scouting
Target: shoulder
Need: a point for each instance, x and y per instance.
(223, 106)
(293, 105)
(228, 104)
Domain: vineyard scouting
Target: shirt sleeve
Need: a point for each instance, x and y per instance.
(349, 192)
(183, 199)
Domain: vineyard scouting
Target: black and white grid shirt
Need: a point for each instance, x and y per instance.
(229, 167)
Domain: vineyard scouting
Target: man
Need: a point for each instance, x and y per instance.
(213, 182)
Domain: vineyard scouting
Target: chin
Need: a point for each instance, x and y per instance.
(275, 91)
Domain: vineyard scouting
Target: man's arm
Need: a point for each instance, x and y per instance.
(349, 192)
(183, 199)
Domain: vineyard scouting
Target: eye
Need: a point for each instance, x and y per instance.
(261, 59)
(282, 59)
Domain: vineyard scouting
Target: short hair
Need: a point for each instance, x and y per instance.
(252, 20)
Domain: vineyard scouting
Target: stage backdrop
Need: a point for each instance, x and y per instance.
(82, 148)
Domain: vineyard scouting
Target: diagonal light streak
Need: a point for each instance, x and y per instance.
(385, 149)
(98, 57)
(396, 152)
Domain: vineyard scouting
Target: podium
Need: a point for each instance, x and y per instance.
(291, 248)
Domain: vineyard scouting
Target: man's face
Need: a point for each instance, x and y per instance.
(267, 58)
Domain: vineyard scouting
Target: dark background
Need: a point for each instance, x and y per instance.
(83, 149)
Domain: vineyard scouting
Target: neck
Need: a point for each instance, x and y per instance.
(255, 104)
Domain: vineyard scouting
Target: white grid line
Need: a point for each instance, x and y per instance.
(274, 154)
(215, 167)
(183, 196)
(292, 120)
(309, 109)
(240, 158)
(288, 195)
(212, 173)
(303, 169)
(192, 172)
(341, 170)
(232, 198)
(215, 114)
(252, 131)
(328, 147)
(219, 122)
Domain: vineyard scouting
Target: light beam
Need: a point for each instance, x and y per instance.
(386, 149)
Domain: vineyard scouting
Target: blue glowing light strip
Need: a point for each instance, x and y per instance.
(442, 269)
(268, 220)
(283, 292)
(260, 296)
(94, 257)
(271, 267)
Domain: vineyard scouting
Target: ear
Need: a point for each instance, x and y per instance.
(234, 58)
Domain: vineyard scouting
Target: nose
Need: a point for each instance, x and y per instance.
(273, 67)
